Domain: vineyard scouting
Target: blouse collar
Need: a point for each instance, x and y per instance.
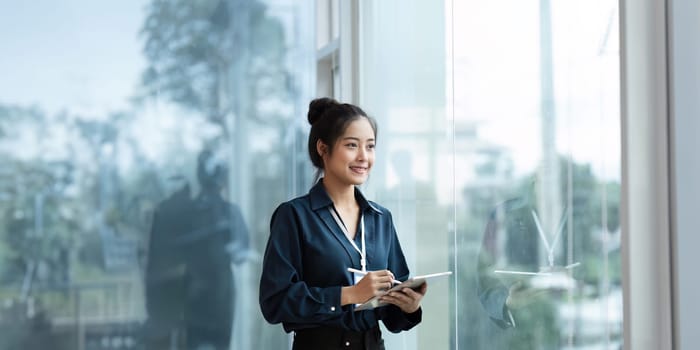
(320, 198)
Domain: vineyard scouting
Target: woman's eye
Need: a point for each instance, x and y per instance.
(370, 146)
(352, 145)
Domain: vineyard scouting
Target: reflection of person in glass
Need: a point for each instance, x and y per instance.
(314, 239)
(214, 237)
(165, 272)
(518, 272)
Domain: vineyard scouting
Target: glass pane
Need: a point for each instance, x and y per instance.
(499, 132)
(144, 146)
(403, 85)
(536, 98)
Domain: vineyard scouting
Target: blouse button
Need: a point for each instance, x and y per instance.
(332, 308)
(347, 343)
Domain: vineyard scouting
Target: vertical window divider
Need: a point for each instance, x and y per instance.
(645, 216)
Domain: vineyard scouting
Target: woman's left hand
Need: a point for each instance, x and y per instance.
(407, 299)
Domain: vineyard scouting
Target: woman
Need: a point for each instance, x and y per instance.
(314, 239)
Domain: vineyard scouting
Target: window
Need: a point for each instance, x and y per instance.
(120, 125)
(498, 155)
(499, 132)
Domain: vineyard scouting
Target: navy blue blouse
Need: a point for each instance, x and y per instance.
(306, 260)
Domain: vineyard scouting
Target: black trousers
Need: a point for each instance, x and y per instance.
(331, 338)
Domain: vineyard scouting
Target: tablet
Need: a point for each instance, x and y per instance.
(413, 283)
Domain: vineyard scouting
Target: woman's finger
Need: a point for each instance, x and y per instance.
(405, 303)
(412, 293)
(393, 300)
(402, 297)
(423, 288)
(382, 281)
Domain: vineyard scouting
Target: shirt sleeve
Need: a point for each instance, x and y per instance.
(284, 296)
(394, 319)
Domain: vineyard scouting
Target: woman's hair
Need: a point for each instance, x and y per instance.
(329, 119)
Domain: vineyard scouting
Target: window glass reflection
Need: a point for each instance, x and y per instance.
(192, 245)
(144, 146)
(535, 95)
(510, 124)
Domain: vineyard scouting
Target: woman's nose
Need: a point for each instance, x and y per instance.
(362, 154)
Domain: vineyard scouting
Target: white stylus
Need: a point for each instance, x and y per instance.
(362, 273)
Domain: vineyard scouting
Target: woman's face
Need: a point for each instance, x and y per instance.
(353, 154)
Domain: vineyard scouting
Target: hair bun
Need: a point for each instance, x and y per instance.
(318, 107)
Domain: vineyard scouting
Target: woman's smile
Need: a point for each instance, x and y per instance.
(360, 170)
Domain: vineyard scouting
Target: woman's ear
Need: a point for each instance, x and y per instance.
(321, 148)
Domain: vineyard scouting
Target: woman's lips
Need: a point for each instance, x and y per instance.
(358, 169)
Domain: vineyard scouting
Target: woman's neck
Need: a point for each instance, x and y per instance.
(342, 195)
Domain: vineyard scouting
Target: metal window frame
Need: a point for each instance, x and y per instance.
(646, 159)
(337, 72)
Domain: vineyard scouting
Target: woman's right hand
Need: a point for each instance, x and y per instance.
(374, 283)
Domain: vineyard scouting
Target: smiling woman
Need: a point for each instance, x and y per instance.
(332, 124)
(314, 239)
